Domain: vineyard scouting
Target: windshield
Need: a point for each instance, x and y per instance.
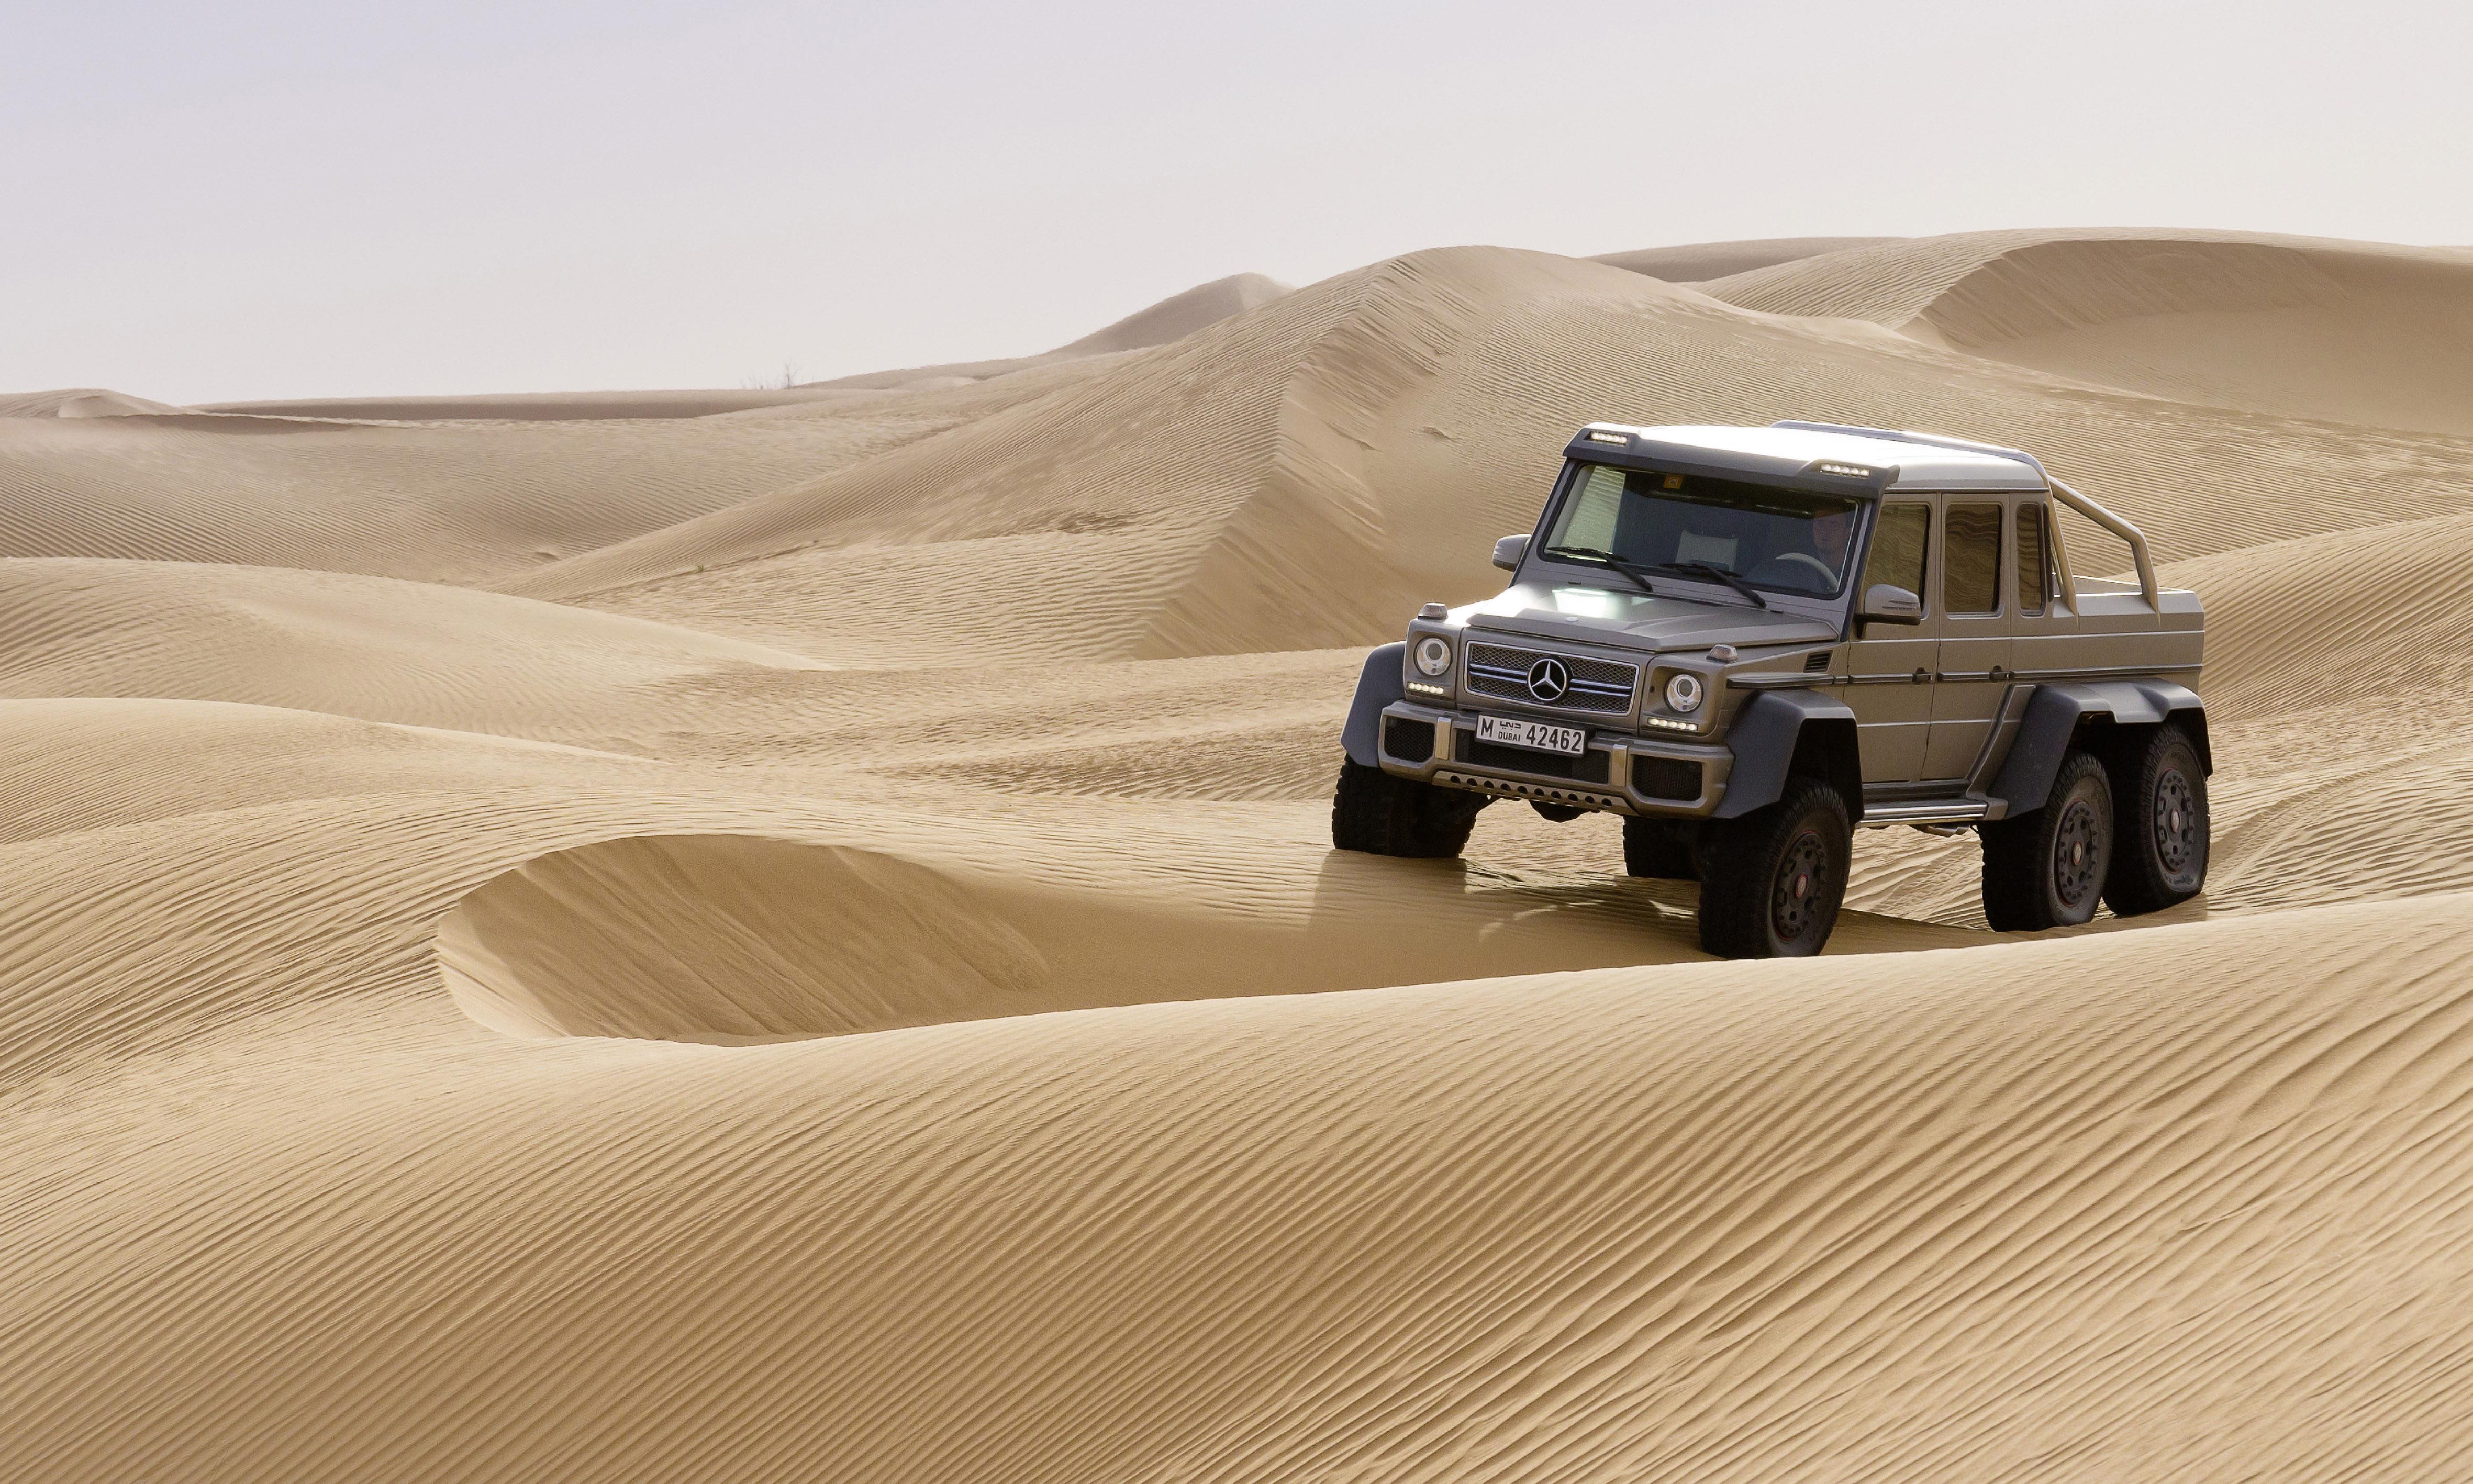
(1779, 539)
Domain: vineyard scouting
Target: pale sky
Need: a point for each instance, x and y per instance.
(264, 199)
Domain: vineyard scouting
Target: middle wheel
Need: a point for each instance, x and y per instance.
(1772, 881)
(2047, 868)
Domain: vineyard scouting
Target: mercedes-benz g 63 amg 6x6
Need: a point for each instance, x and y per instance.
(1747, 642)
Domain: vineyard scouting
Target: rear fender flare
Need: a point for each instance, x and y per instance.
(1382, 681)
(2055, 714)
(1780, 733)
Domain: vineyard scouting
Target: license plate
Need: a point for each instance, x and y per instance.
(1543, 736)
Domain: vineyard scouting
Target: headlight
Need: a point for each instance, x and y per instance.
(1434, 655)
(1683, 692)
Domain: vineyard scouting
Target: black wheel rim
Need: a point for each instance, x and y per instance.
(2175, 821)
(2077, 855)
(1801, 886)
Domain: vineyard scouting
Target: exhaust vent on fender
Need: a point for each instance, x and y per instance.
(1818, 663)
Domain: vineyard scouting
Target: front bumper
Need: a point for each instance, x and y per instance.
(1619, 774)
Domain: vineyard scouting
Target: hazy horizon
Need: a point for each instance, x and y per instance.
(281, 200)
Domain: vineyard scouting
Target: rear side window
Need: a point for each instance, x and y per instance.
(1971, 548)
(2035, 583)
(1898, 545)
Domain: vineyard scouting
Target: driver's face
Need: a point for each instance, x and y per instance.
(1830, 532)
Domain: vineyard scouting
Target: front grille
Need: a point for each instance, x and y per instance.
(1589, 767)
(1596, 685)
(1817, 663)
(1664, 777)
(1406, 739)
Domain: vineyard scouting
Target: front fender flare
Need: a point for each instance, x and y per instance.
(1768, 733)
(1382, 681)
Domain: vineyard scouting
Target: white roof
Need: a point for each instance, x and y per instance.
(1923, 460)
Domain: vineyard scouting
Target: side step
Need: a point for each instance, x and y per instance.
(1929, 811)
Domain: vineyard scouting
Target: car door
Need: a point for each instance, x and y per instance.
(1890, 666)
(1975, 634)
(2044, 636)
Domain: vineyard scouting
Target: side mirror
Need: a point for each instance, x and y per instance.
(1508, 551)
(1884, 604)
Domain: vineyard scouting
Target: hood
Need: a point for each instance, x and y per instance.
(1636, 620)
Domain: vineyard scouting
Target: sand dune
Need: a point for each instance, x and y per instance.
(459, 502)
(834, 968)
(2296, 327)
(734, 939)
(1309, 470)
(366, 647)
(81, 402)
(1952, 1213)
(1170, 319)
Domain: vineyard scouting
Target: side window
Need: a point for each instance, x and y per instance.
(1971, 550)
(2035, 583)
(1899, 541)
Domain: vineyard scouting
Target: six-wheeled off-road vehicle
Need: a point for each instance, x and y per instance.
(1749, 642)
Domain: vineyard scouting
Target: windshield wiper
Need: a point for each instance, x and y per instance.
(1715, 572)
(1593, 554)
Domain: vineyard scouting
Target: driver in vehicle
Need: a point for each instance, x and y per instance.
(1831, 535)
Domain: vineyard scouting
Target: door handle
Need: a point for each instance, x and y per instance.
(1923, 676)
(2002, 673)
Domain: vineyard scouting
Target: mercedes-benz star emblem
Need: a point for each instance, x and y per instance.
(1549, 680)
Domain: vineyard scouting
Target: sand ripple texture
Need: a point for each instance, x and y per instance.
(737, 937)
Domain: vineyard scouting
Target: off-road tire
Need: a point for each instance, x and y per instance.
(1772, 880)
(2047, 868)
(1660, 850)
(1374, 812)
(2159, 827)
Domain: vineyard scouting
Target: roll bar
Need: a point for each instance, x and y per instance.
(2137, 540)
(2147, 585)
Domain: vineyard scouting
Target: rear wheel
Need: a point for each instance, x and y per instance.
(2047, 868)
(2159, 827)
(1381, 815)
(1772, 881)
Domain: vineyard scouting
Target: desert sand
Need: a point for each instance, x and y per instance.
(792, 936)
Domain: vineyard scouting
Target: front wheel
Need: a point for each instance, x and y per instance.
(1772, 881)
(2159, 827)
(2047, 868)
(1374, 812)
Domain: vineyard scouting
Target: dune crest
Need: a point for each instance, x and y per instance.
(727, 938)
(527, 406)
(1172, 319)
(1699, 261)
(730, 939)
